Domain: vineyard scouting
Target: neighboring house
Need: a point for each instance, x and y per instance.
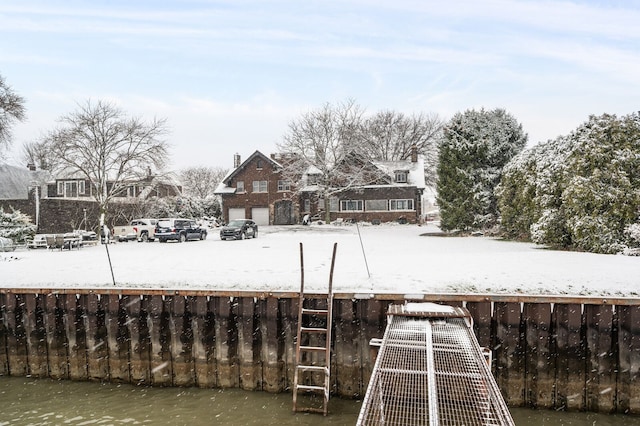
(393, 193)
(77, 187)
(256, 189)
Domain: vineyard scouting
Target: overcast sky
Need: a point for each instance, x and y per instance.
(230, 75)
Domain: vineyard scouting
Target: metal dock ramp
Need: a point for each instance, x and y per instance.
(430, 370)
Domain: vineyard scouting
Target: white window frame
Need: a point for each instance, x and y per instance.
(260, 186)
(240, 186)
(60, 189)
(401, 176)
(384, 203)
(284, 185)
(346, 205)
(407, 204)
(81, 187)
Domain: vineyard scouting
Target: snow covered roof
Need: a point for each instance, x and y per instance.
(415, 170)
(16, 181)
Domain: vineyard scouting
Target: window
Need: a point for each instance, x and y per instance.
(333, 204)
(312, 179)
(284, 185)
(259, 164)
(351, 205)
(81, 187)
(259, 186)
(240, 186)
(379, 205)
(60, 190)
(401, 176)
(401, 204)
(307, 205)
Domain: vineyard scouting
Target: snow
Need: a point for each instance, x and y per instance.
(400, 259)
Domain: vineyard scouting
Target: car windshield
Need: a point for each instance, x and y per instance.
(237, 222)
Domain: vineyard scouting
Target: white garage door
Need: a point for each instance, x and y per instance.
(236, 214)
(260, 215)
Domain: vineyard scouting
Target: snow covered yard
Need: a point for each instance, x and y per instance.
(401, 259)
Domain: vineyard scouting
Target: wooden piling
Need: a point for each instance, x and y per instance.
(56, 337)
(136, 322)
(347, 350)
(539, 363)
(629, 355)
(35, 335)
(202, 320)
(510, 367)
(601, 375)
(76, 331)
(16, 338)
(272, 348)
(118, 340)
(226, 343)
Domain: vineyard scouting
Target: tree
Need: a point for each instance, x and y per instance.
(111, 150)
(321, 152)
(12, 109)
(39, 154)
(475, 148)
(16, 225)
(390, 136)
(201, 182)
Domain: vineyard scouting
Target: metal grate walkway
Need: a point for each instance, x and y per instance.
(430, 370)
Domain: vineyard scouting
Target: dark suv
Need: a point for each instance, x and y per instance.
(239, 229)
(179, 230)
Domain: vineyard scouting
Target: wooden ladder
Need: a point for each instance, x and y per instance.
(313, 344)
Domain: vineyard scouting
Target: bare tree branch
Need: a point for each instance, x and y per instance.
(12, 109)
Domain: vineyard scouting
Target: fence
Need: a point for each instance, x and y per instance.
(548, 352)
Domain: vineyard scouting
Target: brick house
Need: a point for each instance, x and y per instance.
(256, 189)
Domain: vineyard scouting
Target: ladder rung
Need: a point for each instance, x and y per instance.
(313, 330)
(310, 311)
(311, 388)
(318, 368)
(313, 348)
(311, 410)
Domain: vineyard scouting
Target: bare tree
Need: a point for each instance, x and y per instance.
(321, 152)
(201, 181)
(389, 136)
(12, 109)
(99, 142)
(39, 154)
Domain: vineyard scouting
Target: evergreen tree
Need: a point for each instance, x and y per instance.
(475, 148)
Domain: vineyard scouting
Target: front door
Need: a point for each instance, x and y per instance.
(283, 213)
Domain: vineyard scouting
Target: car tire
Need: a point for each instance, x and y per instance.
(203, 236)
(162, 240)
(243, 235)
(144, 237)
(182, 238)
(255, 233)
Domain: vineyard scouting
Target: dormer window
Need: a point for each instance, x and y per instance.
(401, 176)
(312, 179)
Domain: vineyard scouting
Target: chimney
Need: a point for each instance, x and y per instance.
(414, 153)
(31, 166)
(236, 160)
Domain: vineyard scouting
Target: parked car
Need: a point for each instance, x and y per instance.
(179, 230)
(138, 229)
(239, 229)
(7, 244)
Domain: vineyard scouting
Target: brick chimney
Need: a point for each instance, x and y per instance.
(236, 160)
(414, 153)
(31, 166)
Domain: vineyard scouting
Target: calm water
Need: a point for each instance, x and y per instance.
(25, 401)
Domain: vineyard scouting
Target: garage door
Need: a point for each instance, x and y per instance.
(236, 214)
(260, 215)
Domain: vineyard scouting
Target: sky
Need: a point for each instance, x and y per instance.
(230, 76)
(387, 258)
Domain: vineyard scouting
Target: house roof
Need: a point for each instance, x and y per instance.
(415, 171)
(16, 181)
(225, 187)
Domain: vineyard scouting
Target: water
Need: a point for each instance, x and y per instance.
(25, 401)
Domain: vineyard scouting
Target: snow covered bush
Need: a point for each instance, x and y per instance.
(16, 225)
(581, 191)
(475, 148)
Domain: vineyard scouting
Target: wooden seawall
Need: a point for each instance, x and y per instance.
(570, 353)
